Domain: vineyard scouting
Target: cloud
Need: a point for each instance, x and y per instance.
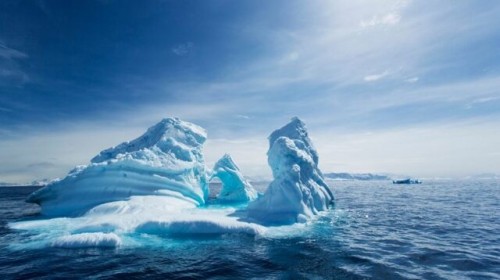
(444, 149)
(375, 77)
(3, 109)
(14, 75)
(389, 19)
(243, 117)
(9, 53)
(11, 72)
(412, 80)
(290, 57)
(485, 99)
(431, 97)
(183, 49)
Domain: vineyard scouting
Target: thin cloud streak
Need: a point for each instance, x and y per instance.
(183, 49)
(375, 77)
(10, 68)
(389, 19)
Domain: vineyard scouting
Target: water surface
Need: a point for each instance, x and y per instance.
(437, 230)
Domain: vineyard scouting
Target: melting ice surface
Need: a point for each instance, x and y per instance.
(157, 185)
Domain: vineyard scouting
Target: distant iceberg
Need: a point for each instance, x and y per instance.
(235, 188)
(298, 191)
(357, 176)
(407, 181)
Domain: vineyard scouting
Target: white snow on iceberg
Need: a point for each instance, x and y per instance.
(92, 239)
(122, 223)
(166, 160)
(298, 191)
(235, 188)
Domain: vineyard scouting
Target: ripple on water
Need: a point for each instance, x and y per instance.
(440, 229)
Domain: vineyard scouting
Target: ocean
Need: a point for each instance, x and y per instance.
(441, 229)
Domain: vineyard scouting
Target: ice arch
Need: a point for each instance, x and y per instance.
(235, 188)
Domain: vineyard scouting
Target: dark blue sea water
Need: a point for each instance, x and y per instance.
(437, 230)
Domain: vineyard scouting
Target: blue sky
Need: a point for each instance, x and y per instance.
(408, 87)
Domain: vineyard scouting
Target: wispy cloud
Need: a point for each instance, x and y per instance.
(290, 57)
(3, 109)
(375, 77)
(243, 117)
(412, 80)
(183, 49)
(389, 19)
(9, 53)
(10, 67)
(486, 99)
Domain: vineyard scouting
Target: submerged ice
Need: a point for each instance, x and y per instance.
(157, 184)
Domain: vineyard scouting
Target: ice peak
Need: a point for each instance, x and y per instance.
(297, 121)
(168, 130)
(295, 130)
(298, 190)
(226, 161)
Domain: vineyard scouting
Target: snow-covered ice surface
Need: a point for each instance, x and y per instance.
(118, 223)
(235, 188)
(157, 185)
(87, 239)
(298, 191)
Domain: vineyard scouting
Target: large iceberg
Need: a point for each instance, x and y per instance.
(167, 160)
(235, 188)
(298, 191)
(157, 185)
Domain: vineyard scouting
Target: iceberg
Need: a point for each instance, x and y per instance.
(298, 191)
(235, 188)
(157, 185)
(167, 160)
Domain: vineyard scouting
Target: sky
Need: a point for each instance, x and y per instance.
(405, 87)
